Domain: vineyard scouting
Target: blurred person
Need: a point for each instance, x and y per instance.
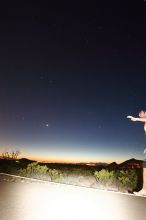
(141, 118)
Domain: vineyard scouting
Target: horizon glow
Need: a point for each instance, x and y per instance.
(82, 155)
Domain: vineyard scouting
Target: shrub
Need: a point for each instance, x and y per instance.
(55, 174)
(104, 177)
(13, 155)
(34, 170)
(128, 178)
(123, 180)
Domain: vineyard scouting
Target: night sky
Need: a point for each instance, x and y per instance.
(70, 73)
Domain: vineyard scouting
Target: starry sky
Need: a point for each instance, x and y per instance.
(70, 73)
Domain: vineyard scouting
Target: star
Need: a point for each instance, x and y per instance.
(48, 125)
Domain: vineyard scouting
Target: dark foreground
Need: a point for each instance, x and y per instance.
(52, 201)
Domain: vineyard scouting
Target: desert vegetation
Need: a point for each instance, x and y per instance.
(33, 170)
(116, 178)
(121, 180)
(13, 155)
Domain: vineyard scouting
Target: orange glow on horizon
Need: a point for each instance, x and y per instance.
(59, 159)
(66, 158)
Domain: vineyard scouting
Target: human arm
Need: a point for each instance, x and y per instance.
(137, 119)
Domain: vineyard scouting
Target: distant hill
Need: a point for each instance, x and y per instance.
(132, 163)
(113, 165)
(25, 160)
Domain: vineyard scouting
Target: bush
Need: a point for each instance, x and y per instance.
(34, 170)
(128, 179)
(13, 155)
(120, 180)
(38, 171)
(104, 177)
(55, 174)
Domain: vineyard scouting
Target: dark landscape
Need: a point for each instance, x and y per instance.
(124, 177)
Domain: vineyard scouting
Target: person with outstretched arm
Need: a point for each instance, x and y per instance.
(141, 118)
